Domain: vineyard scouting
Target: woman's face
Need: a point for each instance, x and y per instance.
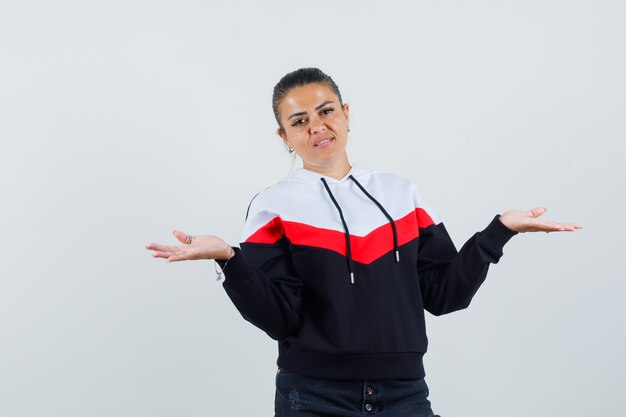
(316, 127)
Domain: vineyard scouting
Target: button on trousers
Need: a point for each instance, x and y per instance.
(300, 396)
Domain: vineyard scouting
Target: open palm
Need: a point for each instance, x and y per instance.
(529, 221)
(200, 247)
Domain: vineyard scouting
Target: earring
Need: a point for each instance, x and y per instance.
(348, 129)
(291, 150)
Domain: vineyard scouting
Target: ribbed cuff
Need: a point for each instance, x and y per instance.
(237, 270)
(497, 234)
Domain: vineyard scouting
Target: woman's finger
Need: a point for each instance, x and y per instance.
(162, 248)
(570, 227)
(549, 226)
(176, 258)
(159, 254)
(553, 227)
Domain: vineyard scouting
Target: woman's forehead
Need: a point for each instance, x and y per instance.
(310, 95)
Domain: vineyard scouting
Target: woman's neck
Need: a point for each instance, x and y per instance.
(336, 171)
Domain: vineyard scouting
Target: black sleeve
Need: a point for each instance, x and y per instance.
(449, 279)
(260, 281)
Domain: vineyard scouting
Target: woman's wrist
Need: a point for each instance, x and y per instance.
(223, 263)
(227, 253)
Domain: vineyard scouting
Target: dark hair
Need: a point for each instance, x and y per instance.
(299, 78)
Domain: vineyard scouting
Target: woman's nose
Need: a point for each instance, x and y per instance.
(316, 124)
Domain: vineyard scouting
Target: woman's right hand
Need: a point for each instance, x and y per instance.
(193, 247)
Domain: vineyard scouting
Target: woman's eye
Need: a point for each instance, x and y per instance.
(298, 122)
(328, 111)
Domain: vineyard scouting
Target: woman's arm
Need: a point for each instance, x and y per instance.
(449, 279)
(260, 282)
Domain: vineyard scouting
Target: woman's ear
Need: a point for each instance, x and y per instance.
(281, 132)
(346, 110)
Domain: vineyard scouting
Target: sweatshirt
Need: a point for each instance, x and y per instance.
(339, 272)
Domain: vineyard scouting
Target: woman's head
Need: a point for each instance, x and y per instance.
(299, 78)
(313, 121)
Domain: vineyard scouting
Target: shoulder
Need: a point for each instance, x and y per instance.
(266, 210)
(272, 198)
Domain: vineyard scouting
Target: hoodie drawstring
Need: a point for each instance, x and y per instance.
(345, 225)
(345, 228)
(380, 206)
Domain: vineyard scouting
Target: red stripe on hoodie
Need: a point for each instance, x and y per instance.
(365, 249)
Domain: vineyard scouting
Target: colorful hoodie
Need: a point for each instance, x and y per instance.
(340, 272)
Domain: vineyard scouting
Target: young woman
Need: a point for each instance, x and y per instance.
(338, 262)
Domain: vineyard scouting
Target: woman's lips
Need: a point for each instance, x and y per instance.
(324, 142)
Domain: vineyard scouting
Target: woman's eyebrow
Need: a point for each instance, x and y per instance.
(323, 104)
(302, 113)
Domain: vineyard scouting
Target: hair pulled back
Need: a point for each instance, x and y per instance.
(299, 78)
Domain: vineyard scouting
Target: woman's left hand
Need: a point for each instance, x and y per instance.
(529, 221)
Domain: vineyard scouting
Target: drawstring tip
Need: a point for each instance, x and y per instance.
(351, 277)
(397, 256)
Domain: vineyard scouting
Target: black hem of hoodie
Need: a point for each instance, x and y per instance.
(353, 366)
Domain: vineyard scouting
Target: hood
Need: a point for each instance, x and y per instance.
(304, 175)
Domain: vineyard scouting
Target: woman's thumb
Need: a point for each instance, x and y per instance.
(182, 237)
(536, 212)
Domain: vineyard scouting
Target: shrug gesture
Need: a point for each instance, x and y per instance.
(213, 247)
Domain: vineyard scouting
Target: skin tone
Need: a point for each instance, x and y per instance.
(315, 124)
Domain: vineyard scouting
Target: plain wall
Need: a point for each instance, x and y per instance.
(121, 120)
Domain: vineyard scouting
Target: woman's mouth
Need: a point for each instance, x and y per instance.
(324, 142)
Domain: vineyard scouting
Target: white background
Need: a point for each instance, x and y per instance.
(121, 120)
